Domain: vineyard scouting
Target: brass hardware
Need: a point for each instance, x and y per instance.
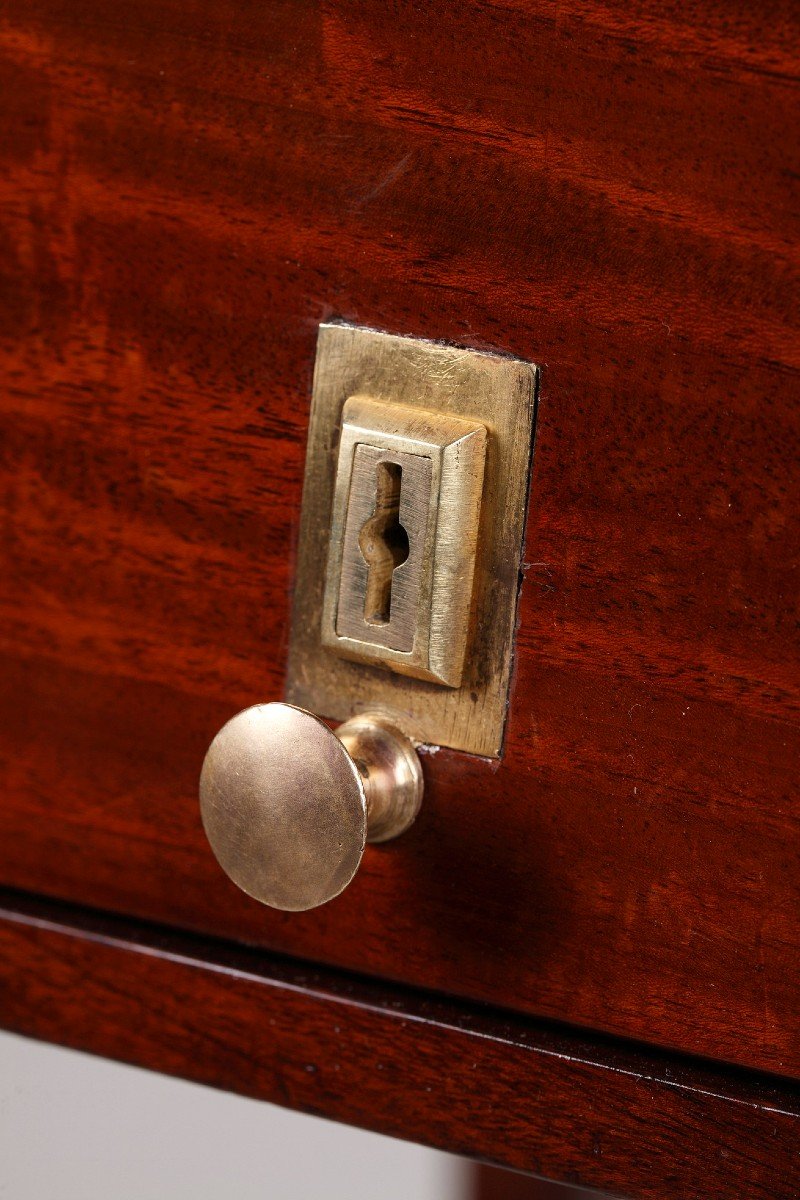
(288, 805)
(403, 535)
(374, 396)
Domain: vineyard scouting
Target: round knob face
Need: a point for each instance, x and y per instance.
(283, 806)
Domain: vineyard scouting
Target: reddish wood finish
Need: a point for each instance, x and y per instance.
(188, 187)
(493, 1183)
(502, 1089)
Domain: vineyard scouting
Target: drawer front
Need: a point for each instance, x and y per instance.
(188, 190)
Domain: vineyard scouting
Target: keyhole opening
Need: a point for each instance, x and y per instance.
(384, 543)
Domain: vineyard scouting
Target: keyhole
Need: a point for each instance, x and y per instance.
(384, 543)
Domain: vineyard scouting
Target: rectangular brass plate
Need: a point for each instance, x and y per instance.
(500, 393)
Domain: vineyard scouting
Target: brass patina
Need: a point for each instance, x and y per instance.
(288, 805)
(404, 600)
(379, 372)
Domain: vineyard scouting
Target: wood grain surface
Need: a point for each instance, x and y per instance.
(495, 1183)
(504, 1089)
(187, 188)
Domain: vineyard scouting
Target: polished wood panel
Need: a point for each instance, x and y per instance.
(187, 189)
(493, 1183)
(590, 1112)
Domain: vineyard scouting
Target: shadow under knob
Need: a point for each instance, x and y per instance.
(288, 805)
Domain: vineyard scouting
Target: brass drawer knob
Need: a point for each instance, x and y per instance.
(288, 805)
